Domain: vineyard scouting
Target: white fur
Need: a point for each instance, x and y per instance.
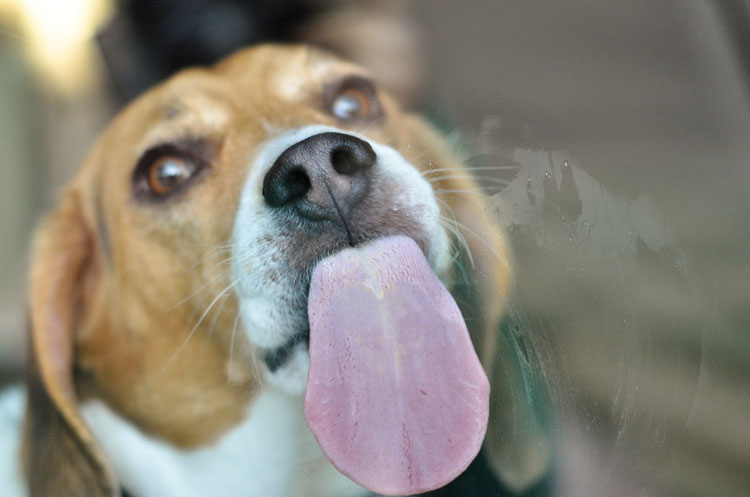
(271, 454)
(12, 403)
(292, 376)
(272, 304)
(268, 309)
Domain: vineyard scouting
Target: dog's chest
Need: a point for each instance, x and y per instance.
(272, 453)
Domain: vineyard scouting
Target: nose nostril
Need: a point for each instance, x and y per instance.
(344, 160)
(297, 183)
(285, 183)
(352, 156)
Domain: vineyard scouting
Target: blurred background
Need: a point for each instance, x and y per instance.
(623, 133)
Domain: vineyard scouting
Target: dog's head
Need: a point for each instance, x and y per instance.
(172, 280)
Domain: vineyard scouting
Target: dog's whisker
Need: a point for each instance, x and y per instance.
(459, 236)
(476, 184)
(486, 179)
(459, 245)
(468, 168)
(253, 357)
(483, 178)
(213, 249)
(227, 243)
(463, 245)
(447, 206)
(231, 338)
(457, 248)
(460, 191)
(217, 314)
(192, 332)
(208, 255)
(484, 242)
(260, 377)
(223, 262)
(221, 273)
(215, 246)
(461, 240)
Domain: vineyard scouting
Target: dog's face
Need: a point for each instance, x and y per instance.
(172, 282)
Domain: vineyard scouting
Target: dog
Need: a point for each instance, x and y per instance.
(168, 318)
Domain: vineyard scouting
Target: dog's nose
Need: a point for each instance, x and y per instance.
(324, 176)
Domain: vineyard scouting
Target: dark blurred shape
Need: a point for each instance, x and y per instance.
(735, 15)
(478, 480)
(148, 40)
(380, 35)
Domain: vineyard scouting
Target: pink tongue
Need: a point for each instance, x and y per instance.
(396, 396)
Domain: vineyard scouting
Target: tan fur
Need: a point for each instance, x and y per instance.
(117, 286)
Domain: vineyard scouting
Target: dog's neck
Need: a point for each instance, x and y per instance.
(272, 453)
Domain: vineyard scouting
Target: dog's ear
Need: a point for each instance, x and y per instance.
(61, 456)
(517, 445)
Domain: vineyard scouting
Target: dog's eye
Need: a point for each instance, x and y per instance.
(354, 99)
(170, 168)
(168, 172)
(350, 104)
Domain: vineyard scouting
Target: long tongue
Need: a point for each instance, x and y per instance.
(396, 396)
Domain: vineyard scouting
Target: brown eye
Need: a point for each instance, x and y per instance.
(354, 99)
(169, 172)
(350, 104)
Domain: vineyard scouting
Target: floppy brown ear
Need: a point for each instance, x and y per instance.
(61, 456)
(517, 446)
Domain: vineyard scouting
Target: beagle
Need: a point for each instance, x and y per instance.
(171, 330)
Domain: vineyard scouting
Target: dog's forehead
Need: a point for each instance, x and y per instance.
(284, 71)
(250, 83)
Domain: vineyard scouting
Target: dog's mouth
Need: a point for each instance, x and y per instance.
(389, 354)
(276, 358)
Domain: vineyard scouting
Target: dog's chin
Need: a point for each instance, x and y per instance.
(290, 375)
(279, 334)
(287, 364)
